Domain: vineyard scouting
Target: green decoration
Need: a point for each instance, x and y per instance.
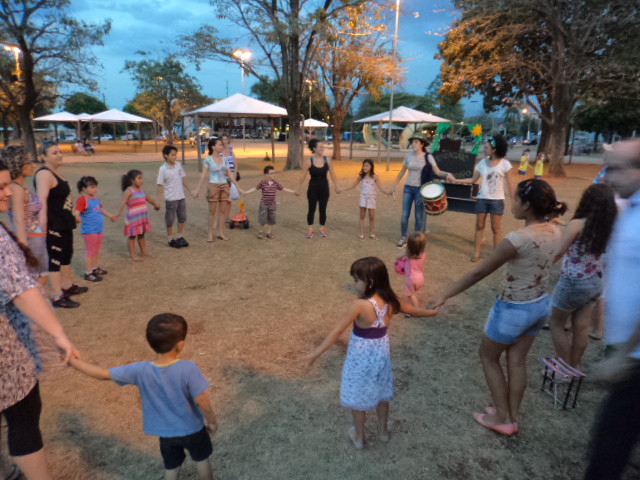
(442, 128)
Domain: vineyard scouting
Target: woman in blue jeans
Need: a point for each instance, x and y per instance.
(414, 163)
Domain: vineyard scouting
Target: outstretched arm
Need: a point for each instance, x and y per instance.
(571, 232)
(474, 179)
(356, 182)
(332, 172)
(205, 171)
(125, 199)
(406, 307)
(400, 174)
(304, 177)
(380, 187)
(89, 369)
(502, 254)
(447, 176)
(334, 334)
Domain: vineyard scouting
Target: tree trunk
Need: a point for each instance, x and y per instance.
(556, 150)
(295, 152)
(28, 139)
(337, 127)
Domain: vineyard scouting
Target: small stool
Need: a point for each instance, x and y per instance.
(558, 372)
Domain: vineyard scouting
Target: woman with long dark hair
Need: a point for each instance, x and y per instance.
(584, 241)
(523, 304)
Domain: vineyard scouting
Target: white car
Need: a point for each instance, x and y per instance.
(104, 137)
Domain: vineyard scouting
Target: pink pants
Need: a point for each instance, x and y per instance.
(93, 242)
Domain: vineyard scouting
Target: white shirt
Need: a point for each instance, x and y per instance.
(171, 179)
(492, 187)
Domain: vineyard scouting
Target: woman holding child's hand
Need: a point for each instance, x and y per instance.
(21, 303)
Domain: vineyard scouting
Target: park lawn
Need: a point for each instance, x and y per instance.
(255, 306)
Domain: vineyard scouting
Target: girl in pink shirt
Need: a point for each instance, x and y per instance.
(414, 266)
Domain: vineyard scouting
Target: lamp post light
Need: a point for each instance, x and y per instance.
(244, 56)
(16, 54)
(393, 84)
(525, 111)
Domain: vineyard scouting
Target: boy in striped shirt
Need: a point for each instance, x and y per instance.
(267, 209)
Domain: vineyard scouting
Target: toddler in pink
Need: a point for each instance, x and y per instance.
(414, 266)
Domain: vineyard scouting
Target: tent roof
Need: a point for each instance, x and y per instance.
(117, 116)
(404, 115)
(58, 117)
(240, 106)
(311, 122)
(85, 117)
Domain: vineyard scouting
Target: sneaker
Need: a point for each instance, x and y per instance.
(323, 233)
(92, 277)
(402, 243)
(65, 302)
(182, 242)
(269, 236)
(310, 234)
(99, 271)
(173, 243)
(74, 290)
(260, 235)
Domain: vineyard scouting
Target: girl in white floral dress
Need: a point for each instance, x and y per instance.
(367, 378)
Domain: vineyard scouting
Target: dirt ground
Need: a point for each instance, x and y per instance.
(254, 306)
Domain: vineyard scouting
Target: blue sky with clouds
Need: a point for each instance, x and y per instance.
(152, 26)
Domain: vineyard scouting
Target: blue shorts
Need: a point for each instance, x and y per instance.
(494, 207)
(507, 322)
(572, 294)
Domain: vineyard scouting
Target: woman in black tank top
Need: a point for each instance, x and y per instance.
(318, 190)
(58, 221)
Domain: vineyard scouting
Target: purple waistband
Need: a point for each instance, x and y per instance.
(370, 333)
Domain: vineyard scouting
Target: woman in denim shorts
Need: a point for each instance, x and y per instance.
(493, 169)
(584, 241)
(523, 304)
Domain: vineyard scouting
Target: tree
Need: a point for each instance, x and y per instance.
(547, 53)
(84, 103)
(48, 44)
(615, 115)
(370, 106)
(285, 33)
(437, 104)
(164, 90)
(353, 57)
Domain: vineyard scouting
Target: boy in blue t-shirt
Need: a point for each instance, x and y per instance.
(92, 215)
(175, 403)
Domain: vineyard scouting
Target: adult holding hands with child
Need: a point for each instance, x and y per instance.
(318, 189)
(218, 192)
(21, 303)
(417, 160)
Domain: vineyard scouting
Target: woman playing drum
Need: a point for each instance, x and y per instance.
(414, 162)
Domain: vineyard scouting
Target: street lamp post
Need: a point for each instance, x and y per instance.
(244, 56)
(16, 54)
(393, 85)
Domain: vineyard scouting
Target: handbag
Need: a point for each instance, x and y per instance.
(401, 265)
(235, 195)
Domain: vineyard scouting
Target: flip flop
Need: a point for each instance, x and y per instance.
(506, 429)
(493, 411)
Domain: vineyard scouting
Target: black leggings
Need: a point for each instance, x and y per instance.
(23, 420)
(317, 195)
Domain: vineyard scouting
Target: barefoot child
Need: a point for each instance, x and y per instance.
(92, 215)
(267, 209)
(522, 306)
(367, 379)
(175, 403)
(136, 221)
(414, 267)
(171, 184)
(369, 181)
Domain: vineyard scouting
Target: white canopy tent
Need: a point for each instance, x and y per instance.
(60, 117)
(236, 106)
(118, 116)
(313, 123)
(401, 115)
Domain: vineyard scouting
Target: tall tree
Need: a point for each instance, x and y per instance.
(286, 34)
(353, 57)
(434, 102)
(164, 90)
(549, 53)
(84, 103)
(46, 41)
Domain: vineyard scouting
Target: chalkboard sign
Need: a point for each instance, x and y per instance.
(460, 164)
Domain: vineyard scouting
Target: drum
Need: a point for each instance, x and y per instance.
(434, 198)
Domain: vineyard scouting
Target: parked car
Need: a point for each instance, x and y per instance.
(530, 141)
(104, 137)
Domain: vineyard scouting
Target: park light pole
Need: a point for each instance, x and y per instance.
(16, 54)
(393, 84)
(525, 111)
(244, 56)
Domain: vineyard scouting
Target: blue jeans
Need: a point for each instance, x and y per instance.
(412, 195)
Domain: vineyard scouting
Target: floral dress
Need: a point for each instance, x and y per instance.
(367, 378)
(19, 360)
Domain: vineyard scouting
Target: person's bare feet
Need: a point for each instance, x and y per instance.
(353, 436)
(474, 258)
(135, 259)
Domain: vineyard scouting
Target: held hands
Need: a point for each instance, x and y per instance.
(451, 178)
(436, 303)
(70, 352)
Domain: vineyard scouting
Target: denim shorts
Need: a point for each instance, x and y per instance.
(509, 321)
(572, 294)
(494, 207)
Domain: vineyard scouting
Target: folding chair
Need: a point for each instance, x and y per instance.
(560, 375)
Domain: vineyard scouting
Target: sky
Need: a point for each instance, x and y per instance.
(152, 26)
